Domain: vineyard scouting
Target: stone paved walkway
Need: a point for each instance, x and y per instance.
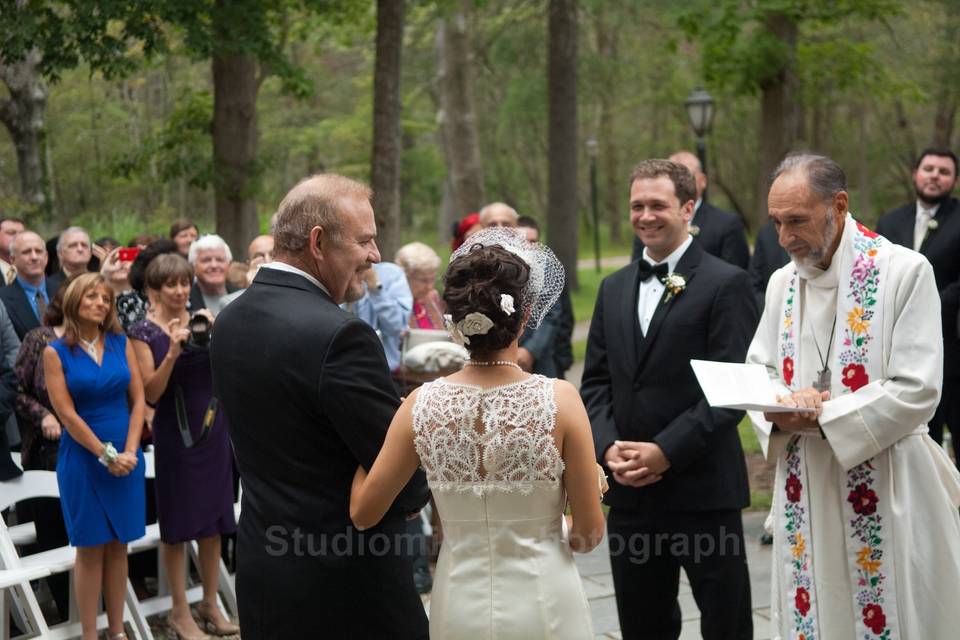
(598, 583)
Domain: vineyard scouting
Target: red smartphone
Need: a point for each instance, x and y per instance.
(129, 254)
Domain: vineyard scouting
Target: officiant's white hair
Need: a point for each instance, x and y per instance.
(824, 175)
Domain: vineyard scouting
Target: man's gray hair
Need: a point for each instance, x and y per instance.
(209, 242)
(62, 240)
(13, 243)
(314, 202)
(824, 175)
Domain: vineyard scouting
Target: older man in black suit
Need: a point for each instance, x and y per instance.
(679, 475)
(308, 393)
(931, 225)
(719, 232)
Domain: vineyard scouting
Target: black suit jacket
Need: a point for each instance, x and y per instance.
(19, 309)
(942, 248)
(720, 233)
(308, 395)
(646, 391)
(768, 256)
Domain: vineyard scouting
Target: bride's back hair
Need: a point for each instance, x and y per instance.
(474, 283)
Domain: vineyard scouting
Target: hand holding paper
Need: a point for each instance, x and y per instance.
(730, 385)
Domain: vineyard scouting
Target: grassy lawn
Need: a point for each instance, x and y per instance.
(584, 298)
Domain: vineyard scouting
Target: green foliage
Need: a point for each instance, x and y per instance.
(181, 146)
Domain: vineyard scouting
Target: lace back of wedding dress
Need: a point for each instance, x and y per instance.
(497, 439)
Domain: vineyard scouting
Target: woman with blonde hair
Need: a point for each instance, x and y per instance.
(420, 263)
(94, 386)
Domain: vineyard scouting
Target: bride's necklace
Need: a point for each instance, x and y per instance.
(493, 363)
(90, 346)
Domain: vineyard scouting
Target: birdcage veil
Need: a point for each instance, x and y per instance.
(546, 273)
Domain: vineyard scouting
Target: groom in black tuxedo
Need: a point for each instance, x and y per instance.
(679, 477)
(308, 395)
(931, 225)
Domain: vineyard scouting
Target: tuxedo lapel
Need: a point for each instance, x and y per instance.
(944, 216)
(687, 267)
(628, 315)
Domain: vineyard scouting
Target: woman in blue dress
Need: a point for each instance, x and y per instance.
(95, 388)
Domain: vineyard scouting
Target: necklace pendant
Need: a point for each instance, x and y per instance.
(822, 383)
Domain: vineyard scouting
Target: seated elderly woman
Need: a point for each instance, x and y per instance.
(94, 385)
(194, 459)
(210, 258)
(421, 263)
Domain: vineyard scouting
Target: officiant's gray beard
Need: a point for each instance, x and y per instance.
(813, 259)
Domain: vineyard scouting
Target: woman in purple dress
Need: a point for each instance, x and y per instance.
(194, 459)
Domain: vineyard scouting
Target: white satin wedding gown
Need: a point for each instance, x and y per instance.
(505, 570)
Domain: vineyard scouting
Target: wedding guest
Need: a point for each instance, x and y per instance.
(9, 228)
(184, 233)
(210, 256)
(95, 388)
(194, 460)
(28, 295)
(385, 306)
(420, 263)
(132, 306)
(465, 228)
(74, 253)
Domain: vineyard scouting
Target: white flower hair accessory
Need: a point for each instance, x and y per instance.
(474, 324)
(506, 304)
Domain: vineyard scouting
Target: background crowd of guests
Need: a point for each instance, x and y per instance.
(102, 354)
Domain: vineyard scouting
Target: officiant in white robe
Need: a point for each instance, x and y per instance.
(866, 527)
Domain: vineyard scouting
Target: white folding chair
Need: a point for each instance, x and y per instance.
(43, 484)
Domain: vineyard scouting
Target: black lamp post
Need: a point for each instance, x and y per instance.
(699, 106)
(592, 153)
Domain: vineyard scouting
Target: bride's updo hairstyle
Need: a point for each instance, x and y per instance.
(474, 282)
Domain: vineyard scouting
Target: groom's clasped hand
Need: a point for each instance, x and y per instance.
(636, 464)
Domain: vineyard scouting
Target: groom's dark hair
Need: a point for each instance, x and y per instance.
(684, 184)
(474, 283)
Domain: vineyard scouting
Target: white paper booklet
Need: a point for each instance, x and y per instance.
(731, 385)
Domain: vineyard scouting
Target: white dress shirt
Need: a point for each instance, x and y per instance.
(924, 216)
(651, 291)
(283, 266)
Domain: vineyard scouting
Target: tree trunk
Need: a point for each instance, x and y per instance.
(946, 98)
(23, 114)
(777, 115)
(235, 87)
(562, 135)
(385, 169)
(611, 195)
(457, 117)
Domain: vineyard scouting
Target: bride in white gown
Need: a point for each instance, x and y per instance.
(503, 451)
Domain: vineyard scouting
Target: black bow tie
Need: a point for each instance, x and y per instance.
(648, 271)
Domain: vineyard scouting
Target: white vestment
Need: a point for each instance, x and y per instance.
(866, 527)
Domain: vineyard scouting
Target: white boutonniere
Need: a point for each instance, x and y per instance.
(932, 225)
(675, 283)
(694, 230)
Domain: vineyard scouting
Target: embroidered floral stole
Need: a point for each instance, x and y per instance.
(863, 262)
